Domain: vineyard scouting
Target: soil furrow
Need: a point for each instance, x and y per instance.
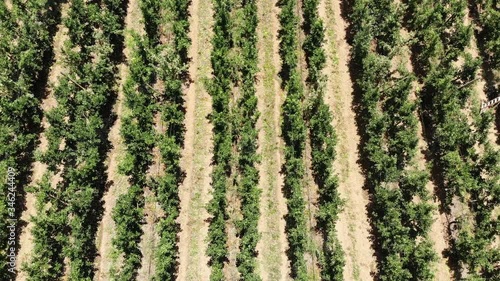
(197, 153)
(272, 260)
(310, 192)
(353, 226)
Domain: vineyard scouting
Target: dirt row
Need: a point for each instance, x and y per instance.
(197, 154)
(272, 260)
(353, 226)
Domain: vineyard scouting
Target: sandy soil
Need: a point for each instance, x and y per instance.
(150, 237)
(311, 195)
(272, 260)
(152, 212)
(197, 153)
(118, 182)
(353, 226)
(439, 239)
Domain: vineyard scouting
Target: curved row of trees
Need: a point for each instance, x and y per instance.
(467, 174)
(401, 216)
(68, 213)
(323, 140)
(26, 29)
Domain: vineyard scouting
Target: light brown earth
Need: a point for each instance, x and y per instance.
(272, 261)
(314, 238)
(353, 227)
(150, 237)
(152, 209)
(197, 153)
(39, 169)
(119, 184)
(8, 4)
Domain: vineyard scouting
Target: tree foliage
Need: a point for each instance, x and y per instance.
(26, 30)
(388, 118)
(294, 134)
(323, 140)
(77, 148)
(154, 63)
(447, 88)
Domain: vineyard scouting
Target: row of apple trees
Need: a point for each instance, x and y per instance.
(234, 118)
(26, 33)
(220, 90)
(294, 133)
(400, 213)
(68, 205)
(153, 63)
(245, 137)
(467, 162)
(323, 140)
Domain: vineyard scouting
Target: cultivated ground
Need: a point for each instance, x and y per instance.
(272, 260)
(353, 226)
(197, 154)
